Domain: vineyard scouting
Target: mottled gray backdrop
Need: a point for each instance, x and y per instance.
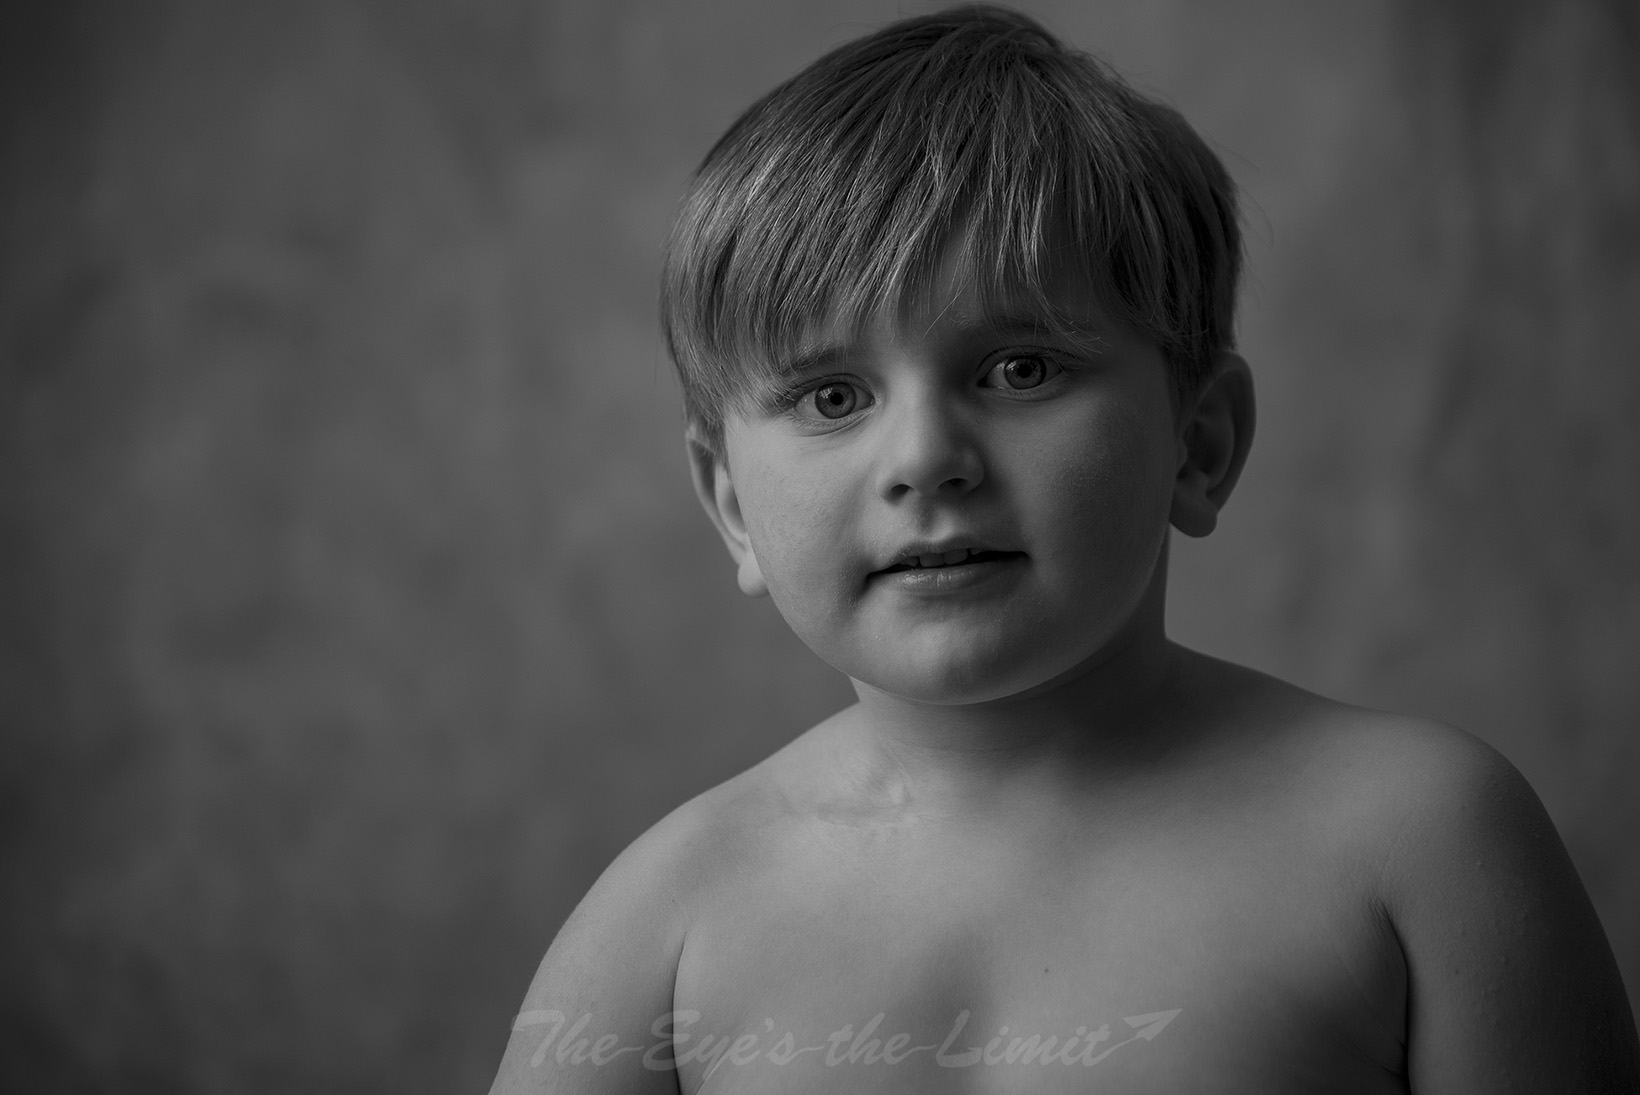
(355, 609)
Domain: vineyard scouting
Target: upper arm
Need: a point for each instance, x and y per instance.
(1511, 983)
(588, 1022)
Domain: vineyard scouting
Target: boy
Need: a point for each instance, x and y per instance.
(952, 310)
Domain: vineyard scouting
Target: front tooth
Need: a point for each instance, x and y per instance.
(954, 557)
(930, 560)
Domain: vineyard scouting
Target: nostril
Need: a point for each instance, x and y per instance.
(929, 453)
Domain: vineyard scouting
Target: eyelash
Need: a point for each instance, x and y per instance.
(1052, 366)
(786, 400)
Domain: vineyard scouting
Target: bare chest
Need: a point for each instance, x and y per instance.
(1171, 970)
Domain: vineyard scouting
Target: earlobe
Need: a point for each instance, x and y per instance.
(1214, 438)
(716, 490)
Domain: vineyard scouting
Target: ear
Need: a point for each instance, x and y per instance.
(716, 491)
(1216, 430)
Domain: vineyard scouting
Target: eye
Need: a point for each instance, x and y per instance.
(831, 401)
(1020, 372)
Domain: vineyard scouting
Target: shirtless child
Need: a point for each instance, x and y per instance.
(953, 314)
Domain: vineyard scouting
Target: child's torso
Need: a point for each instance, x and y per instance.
(1225, 950)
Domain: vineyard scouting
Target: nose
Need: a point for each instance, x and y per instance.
(928, 450)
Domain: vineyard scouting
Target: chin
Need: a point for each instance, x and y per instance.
(959, 684)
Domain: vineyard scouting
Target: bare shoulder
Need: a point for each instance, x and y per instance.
(1511, 984)
(1395, 777)
(602, 997)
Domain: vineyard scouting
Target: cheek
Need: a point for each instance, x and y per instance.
(1114, 491)
(792, 524)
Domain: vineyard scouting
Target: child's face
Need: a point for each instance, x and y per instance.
(959, 429)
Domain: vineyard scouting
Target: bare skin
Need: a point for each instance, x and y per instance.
(1332, 899)
(1048, 850)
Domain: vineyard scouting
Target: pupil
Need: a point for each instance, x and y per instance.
(1024, 372)
(835, 400)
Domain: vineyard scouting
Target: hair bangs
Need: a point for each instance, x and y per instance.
(971, 138)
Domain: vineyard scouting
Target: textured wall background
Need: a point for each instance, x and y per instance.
(354, 608)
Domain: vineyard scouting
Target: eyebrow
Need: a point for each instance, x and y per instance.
(1086, 332)
(814, 359)
(823, 356)
(1030, 321)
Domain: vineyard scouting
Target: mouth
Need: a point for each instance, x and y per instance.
(958, 557)
(925, 571)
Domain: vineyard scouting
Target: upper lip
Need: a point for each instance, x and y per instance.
(913, 554)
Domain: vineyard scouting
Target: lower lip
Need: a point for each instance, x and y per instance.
(950, 579)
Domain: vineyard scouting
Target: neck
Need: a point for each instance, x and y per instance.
(1099, 720)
